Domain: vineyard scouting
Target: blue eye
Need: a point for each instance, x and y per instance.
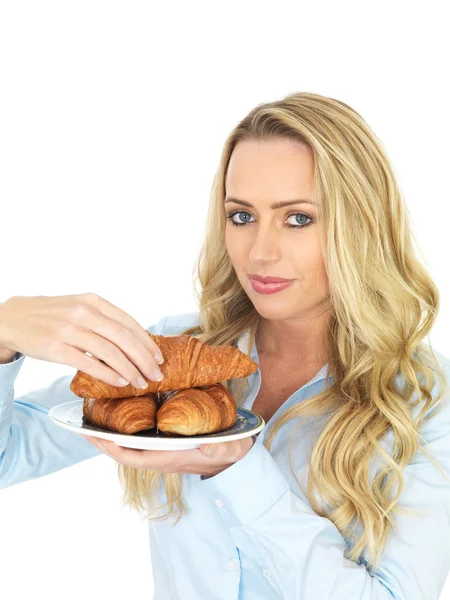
(300, 225)
(237, 212)
(243, 212)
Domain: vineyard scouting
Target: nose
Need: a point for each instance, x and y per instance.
(266, 248)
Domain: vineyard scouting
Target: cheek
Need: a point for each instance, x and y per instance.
(232, 245)
(321, 277)
(310, 263)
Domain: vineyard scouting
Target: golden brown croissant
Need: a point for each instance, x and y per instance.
(197, 411)
(187, 412)
(124, 415)
(188, 363)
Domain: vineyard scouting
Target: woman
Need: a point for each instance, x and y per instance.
(345, 493)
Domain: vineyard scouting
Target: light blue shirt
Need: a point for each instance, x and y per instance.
(250, 532)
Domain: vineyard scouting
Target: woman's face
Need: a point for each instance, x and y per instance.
(261, 174)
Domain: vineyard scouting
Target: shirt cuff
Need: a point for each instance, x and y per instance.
(250, 486)
(10, 370)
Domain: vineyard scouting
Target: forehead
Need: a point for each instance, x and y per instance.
(270, 169)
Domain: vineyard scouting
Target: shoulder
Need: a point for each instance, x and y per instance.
(175, 324)
(443, 359)
(436, 426)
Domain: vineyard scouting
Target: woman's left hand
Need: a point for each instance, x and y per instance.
(195, 461)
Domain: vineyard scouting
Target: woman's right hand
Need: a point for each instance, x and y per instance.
(61, 329)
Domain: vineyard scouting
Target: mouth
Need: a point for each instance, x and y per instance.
(270, 288)
(269, 279)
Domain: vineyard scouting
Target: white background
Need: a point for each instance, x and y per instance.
(112, 120)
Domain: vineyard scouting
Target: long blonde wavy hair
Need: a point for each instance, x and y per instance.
(384, 304)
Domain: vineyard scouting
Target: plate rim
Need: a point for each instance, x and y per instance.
(190, 441)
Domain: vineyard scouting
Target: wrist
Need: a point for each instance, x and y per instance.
(6, 353)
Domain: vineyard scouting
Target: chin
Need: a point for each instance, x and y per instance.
(273, 313)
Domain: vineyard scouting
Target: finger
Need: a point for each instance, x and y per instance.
(158, 459)
(116, 314)
(107, 447)
(166, 461)
(139, 459)
(106, 353)
(95, 441)
(111, 341)
(117, 346)
(89, 438)
(90, 365)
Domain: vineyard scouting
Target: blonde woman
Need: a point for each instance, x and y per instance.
(345, 494)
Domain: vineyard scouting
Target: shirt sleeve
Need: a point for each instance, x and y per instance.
(31, 444)
(304, 552)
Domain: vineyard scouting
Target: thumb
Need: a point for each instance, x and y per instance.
(208, 449)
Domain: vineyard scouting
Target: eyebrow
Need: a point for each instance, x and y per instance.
(272, 206)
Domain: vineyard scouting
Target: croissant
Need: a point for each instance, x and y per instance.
(124, 415)
(187, 412)
(188, 363)
(197, 411)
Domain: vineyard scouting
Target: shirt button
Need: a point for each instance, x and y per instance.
(267, 573)
(219, 503)
(231, 564)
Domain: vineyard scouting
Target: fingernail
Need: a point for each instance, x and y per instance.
(157, 375)
(159, 358)
(142, 383)
(123, 381)
(208, 449)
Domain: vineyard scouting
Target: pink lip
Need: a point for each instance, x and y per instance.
(269, 288)
(269, 279)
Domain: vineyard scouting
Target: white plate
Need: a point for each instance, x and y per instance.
(70, 416)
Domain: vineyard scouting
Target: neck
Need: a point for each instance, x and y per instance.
(301, 339)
